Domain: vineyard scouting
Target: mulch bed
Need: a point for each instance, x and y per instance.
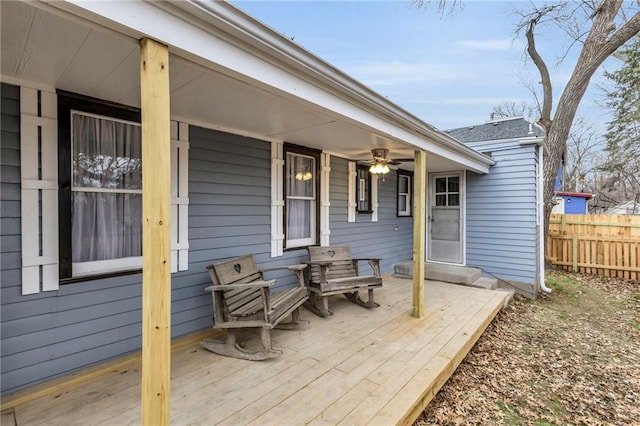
(571, 357)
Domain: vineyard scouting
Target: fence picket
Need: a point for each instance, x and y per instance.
(606, 245)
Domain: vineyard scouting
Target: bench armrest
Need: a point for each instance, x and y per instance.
(298, 267)
(374, 263)
(318, 262)
(253, 284)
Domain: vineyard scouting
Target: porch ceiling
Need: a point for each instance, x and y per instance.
(51, 48)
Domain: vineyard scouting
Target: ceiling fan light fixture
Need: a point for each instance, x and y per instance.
(379, 168)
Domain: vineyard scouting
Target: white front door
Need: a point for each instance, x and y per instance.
(446, 230)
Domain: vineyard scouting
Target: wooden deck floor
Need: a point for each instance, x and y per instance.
(357, 367)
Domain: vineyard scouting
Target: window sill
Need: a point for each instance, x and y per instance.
(74, 280)
(304, 247)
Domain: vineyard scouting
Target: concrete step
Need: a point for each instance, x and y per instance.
(439, 272)
(455, 275)
(488, 283)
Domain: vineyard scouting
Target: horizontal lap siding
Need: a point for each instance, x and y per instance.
(366, 238)
(230, 199)
(48, 334)
(501, 213)
(52, 333)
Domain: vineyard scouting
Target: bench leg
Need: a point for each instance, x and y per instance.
(294, 323)
(265, 339)
(354, 298)
(231, 348)
(311, 304)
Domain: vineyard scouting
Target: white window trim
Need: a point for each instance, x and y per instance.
(303, 242)
(277, 202)
(40, 256)
(95, 267)
(408, 204)
(351, 194)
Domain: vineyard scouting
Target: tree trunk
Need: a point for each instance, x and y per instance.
(603, 39)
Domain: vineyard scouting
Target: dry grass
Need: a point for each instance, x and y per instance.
(572, 357)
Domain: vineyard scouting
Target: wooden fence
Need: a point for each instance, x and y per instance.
(595, 244)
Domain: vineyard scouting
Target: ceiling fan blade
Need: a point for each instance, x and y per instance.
(402, 160)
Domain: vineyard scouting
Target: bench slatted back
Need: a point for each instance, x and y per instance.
(342, 264)
(236, 302)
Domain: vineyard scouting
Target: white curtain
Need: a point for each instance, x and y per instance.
(107, 189)
(300, 196)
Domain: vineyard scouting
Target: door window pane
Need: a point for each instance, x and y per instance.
(447, 191)
(453, 184)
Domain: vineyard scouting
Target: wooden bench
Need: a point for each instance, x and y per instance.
(243, 299)
(332, 270)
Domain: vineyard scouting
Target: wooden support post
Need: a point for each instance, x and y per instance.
(156, 227)
(419, 234)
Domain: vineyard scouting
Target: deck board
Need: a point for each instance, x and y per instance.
(359, 366)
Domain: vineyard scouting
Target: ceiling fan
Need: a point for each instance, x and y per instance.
(380, 162)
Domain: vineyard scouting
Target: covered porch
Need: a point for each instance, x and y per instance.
(379, 366)
(210, 80)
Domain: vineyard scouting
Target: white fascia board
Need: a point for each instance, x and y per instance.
(504, 144)
(221, 37)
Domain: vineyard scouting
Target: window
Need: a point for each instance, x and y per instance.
(301, 196)
(363, 190)
(405, 185)
(448, 191)
(100, 195)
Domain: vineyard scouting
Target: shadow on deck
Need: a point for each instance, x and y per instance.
(357, 367)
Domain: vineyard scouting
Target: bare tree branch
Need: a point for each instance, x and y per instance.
(547, 89)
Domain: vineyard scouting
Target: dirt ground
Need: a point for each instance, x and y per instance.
(569, 358)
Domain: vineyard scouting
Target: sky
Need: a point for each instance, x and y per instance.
(448, 71)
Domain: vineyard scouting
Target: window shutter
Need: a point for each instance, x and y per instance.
(325, 171)
(374, 198)
(179, 196)
(351, 192)
(39, 190)
(277, 199)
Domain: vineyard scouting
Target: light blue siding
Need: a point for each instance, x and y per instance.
(53, 333)
(502, 233)
(391, 238)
